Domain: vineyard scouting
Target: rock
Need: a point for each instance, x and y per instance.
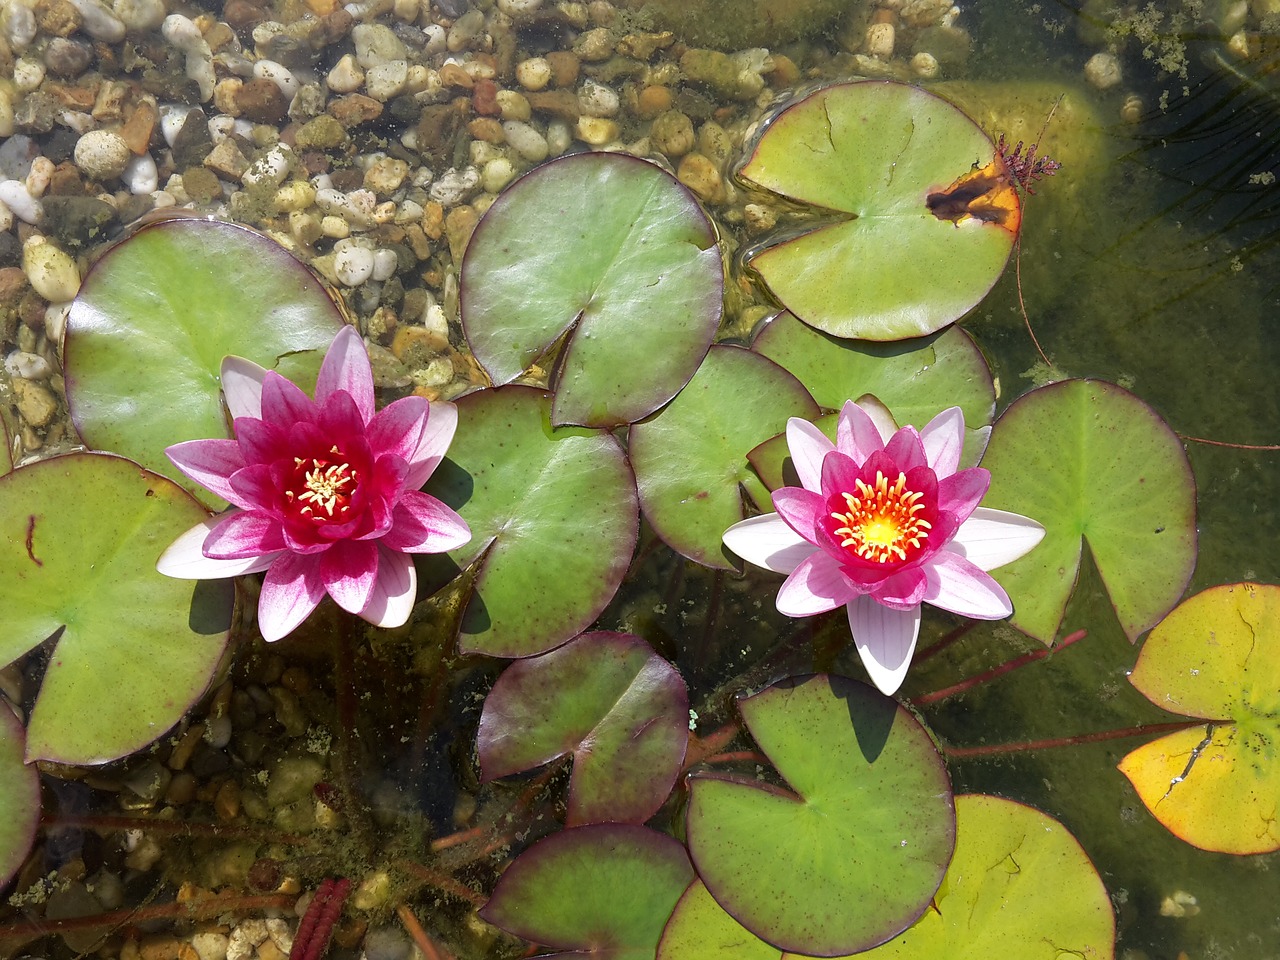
(377, 44)
(77, 221)
(386, 80)
(346, 75)
(562, 104)
(533, 73)
(700, 175)
(201, 185)
(525, 140)
(459, 224)
(57, 17)
(67, 58)
(192, 142)
(594, 45)
(322, 133)
(99, 22)
(226, 160)
(672, 134)
(137, 130)
(598, 131)
(261, 101)
(36, 404)
(1102, 71)
(51, 273)
(565, 67)
(354, 109)
(770, 23)
(497, 173)
(102, 154)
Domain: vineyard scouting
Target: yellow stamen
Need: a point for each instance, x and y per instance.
(881, 523)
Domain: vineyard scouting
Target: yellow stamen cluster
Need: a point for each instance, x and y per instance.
(326, 486)
(882, 523)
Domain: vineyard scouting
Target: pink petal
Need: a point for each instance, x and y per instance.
(242, 387)
(901, 590)
(257, 487)
(992, 538)
(768, 542)
(800, 509)
(442, 422)
(283, 403)
(422, 524)
(856, 433)
(808, 446)
(961, 492)
(840, 474)
(260, 442)
(346, 367)
(210, 463)
(815, 586)
(943, 439)
(880, 415)
(394, 592)
(291, 589)
(397, 428)
(957, 585)
(184, 559)
(885, 639)
(244, 535)
(338, 418)
(906, 450)
(349, 569)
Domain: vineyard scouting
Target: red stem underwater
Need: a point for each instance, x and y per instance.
(1006, 667)
(989, 749)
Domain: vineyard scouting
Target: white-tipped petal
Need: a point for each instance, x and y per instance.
(880, 415)
(857, 435)
(956, 584)
(886, 640)
(992, 538)
(394, 591)
(943, 439)
(768, 542)
(242, 387)
(442, 423)
(185, 560)
(808, 446)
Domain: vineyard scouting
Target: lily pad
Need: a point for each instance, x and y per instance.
(20, 798)
(917, 216)
(690, 459)
(1216, 656)
(553, 516)
(870, 823)
(700, 930)
(607, 699)
(612, 260)
(1019, 885)
(1091, 461)
(132, 649)
(155, 316)
(6, 453)
(914, 379)
(603, 890)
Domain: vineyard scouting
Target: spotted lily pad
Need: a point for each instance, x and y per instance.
(603, 890)
(607, 699)
(1216, 656)
(917, 214)
(608, 258)
(132, 649)
(870, 821)
(690, 459)
(19, 798)
(1019, 885)
(1090, 461)
(155, 316)
(553, 517)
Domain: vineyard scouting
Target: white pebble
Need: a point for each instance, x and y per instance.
(516, 8)
(437, 37)
(102, 154)
(140, 15)
(384, 264)
(925, 66)
(19, 25)
(272, 167)
(6, 217)
(278, 74)
(172, 117)
(27, 74)
(210, 945)
(352, 262)
(7, 125)
(140, 176)
(376, 44)
(27, 366)
(14, 195)
(559, 137)
(51, 273)
(1102, 71)
(99, 22)
(497, 174)
(465, 29)
(346, 75)
(454, 185)
(181, 32)
(534, 73)
(386, 80)
(76, 121)
(597, 100)
(39, 176)
(55, 322)
(880, 39)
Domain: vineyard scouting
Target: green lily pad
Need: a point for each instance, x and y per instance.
(6, 454)
(914, 379)
(132, 649)
(553, 517)
(700, 930)
(155, 316)
(1089, 460)
(917, 213)
(1019, 885)
(603, 890)
(612, 260)
(690, 459)
(871, 821)
(1216, 656)
(607, 699)
(20, 797)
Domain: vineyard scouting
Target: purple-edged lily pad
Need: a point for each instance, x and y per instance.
(155, 316)
(690, 458)
(1090, 461)
(19, 796)
(132, 649)
(699, 929)
(553, 517)
(914, 379)
(870, 822)
(608, 700)
(610, 259)
(1216, 656)
(6, 454)
(921, 214)
(603, 890)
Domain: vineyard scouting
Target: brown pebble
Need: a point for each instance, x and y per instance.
(226, 160)
(66, 180)
(76, 97)
(561, 104)
(785, 73)
(487, 129)
(296, 679)
(181, 789)
(137, 130)
(653, 101)
(241, 15)
(564, 67)
(484, 98)
(437, 126)
(265, 874)
(181, 754)
(57, 17)
(109, 105)
(417, 346)
(417, 240)
(355, 109)
(458, 227)
(330, 29)
(161, 946)
(226, 804)
(452, 75)
(13, 284)
(261, 101)
(201, 185)
(700, 175)
(347, 179)
(433, 219)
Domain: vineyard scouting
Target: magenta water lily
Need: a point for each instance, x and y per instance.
(325, 494)
(884, 521)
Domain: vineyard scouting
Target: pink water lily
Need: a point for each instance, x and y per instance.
(325, 494)
(885, 520)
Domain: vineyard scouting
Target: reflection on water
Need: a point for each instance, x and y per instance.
(370, 138)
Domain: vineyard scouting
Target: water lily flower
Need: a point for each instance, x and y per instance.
(325, 493)
(884, 521)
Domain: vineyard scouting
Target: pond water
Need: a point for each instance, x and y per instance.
(1149, 261)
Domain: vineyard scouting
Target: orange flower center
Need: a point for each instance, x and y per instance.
(321, 490)
(881, 524)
